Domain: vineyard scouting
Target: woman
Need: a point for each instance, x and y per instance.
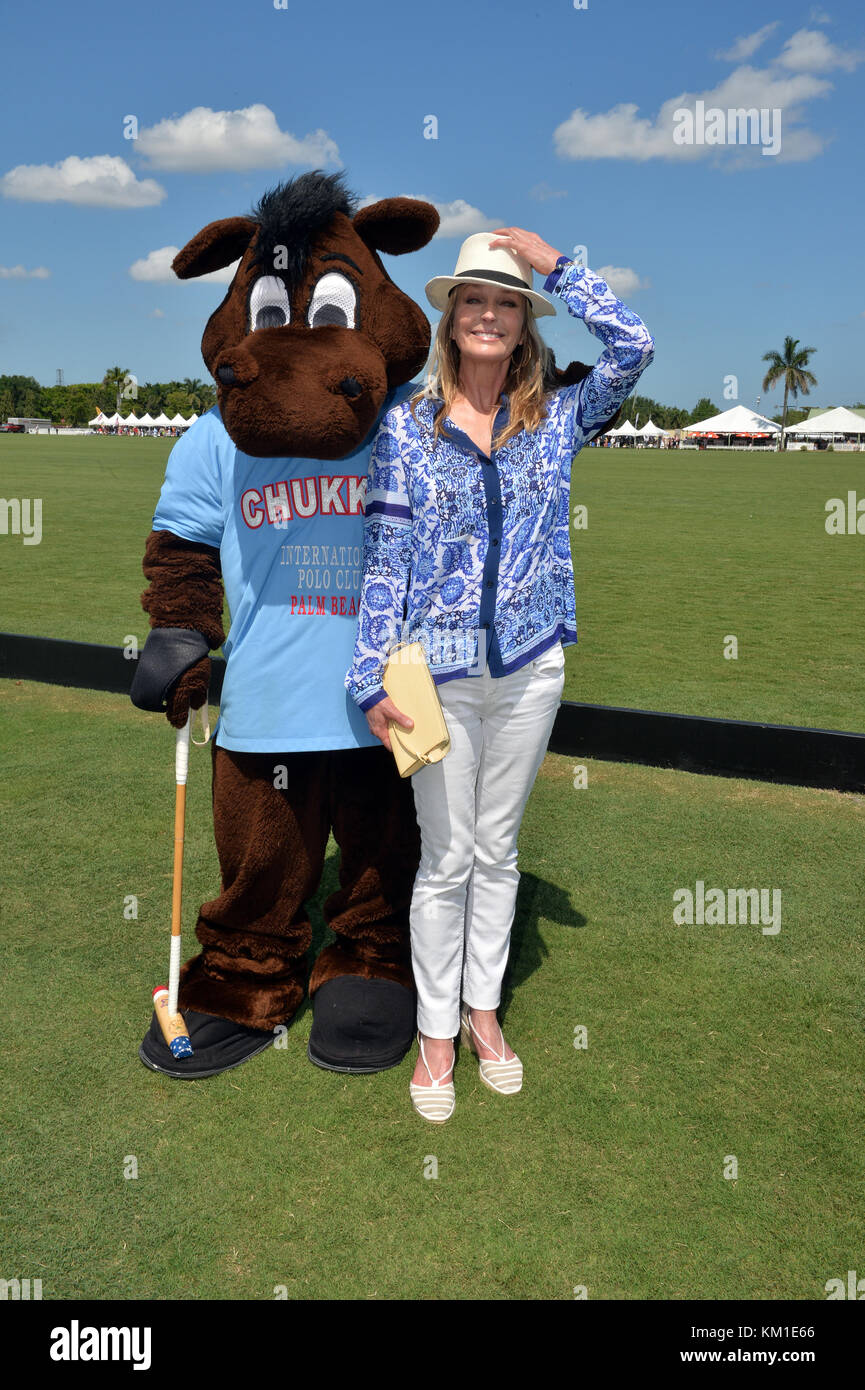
(467, 529)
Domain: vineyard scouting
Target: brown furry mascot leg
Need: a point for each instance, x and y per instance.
(271, 842)
(364, 1003)
(374, 823)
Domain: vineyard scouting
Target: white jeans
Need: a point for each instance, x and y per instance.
(469, 808)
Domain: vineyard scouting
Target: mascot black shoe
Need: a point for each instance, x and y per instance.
(361, 1025)
(217, 1046)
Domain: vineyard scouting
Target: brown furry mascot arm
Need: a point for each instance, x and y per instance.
(185, 593)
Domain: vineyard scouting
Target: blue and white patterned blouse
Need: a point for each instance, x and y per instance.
(473, 549)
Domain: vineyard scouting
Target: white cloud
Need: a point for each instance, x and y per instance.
(17, 272)
(621, 279)
(100, 180)
(203, 140)
(748, 44)
(615, 134)
(156, 269)
(786, 84)
(460, 219)
(156, 314)
(809, 50)
(621, 134)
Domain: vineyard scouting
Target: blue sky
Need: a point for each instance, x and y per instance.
(549, 117)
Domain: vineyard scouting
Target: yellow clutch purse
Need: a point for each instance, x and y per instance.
(410, 685)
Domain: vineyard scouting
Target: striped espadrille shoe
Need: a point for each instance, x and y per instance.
(504, 1077)
(434, 1102)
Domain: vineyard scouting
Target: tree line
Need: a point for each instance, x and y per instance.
(640, 409)
(74, 405)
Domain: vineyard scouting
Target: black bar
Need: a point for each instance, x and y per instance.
(84, 664)
(721, 747)
(691, 743)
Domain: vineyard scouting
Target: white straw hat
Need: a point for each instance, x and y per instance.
(496, 265)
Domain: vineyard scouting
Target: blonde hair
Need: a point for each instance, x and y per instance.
(527, 382)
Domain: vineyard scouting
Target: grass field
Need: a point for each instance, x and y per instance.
(704, 1042)
(682, 549)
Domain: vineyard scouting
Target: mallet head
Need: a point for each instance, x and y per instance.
(173, 1026)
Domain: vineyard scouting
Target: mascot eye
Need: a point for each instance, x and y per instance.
(268, 304)
(333, 301)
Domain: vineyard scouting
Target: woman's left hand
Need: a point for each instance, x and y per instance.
(540, 255)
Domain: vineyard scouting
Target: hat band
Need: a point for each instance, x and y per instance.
(500, 276)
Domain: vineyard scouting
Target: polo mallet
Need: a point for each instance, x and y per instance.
(165, 999)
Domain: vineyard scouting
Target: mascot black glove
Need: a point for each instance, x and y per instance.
(169, 654)
(184, 601)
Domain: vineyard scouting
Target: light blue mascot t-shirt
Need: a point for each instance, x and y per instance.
(290, 536)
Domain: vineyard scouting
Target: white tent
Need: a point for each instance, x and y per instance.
(113, 420)
(192, 419)
(626, 428)
(162, 419)
(179, 421)
(649, 433)
(146, 419)
(131, 419)
(738, 420)
(100, 419)
(837, 421)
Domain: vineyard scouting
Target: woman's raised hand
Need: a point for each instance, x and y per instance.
(540, 255)
(378, 716)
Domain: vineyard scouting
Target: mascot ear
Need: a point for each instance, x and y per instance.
(214, 247)
(397, 225)
(557, 377)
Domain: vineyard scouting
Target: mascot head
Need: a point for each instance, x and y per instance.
(312, 332)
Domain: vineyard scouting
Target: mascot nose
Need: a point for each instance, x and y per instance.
(237, 368)
(350, 387)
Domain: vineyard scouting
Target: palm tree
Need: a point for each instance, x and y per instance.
(193, 388)
(789, 364)
(115, 379)
(150, 396)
